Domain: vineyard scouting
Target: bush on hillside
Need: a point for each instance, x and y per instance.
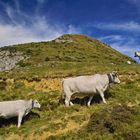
(113, 121)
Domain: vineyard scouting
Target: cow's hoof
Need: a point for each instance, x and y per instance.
(71, 104)
(88, 105)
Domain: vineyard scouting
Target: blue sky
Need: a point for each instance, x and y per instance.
(116, 22)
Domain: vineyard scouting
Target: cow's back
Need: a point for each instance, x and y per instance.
(11, 108)
(82, 84)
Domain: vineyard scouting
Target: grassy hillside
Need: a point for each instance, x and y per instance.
(39, 77)
(68, 55)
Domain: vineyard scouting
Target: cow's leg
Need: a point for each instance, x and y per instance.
(67, 100)
(89, 101)
(102, 96)
(68, 95)
(71, 103)
(20, 116)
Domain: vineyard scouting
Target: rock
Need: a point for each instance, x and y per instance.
(8, 60)
(129, 62)
(64, 39)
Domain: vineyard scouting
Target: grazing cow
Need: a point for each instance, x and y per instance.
(87, 85)
(137, 54)
(20, 108)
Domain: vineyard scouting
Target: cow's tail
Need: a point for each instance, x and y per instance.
(61, 99)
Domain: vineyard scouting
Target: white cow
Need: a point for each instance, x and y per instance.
(20, 108)
(137, 54)
(87, 85)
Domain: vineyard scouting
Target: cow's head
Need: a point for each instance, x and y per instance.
(113, 77)
(35, 104)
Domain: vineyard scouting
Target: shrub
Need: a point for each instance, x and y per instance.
(23, 64)
(47, 59)
(29, 52)
(3, 85)
(110, 120)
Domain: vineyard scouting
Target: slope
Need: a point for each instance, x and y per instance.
(66, 55)
(38, 76)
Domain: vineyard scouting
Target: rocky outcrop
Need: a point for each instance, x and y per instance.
(8, 60)
(64, 39)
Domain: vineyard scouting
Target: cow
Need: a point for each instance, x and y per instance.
(137, 54)
(87, 85)
(20, 108)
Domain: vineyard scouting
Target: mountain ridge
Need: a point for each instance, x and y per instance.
(68, 48)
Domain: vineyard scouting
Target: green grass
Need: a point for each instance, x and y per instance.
(83, 55)
(117, 120)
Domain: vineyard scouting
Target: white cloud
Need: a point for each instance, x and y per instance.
(40, 30)
(72, 29)
(17, 5)
(10, 34)
(23, 29)
(39, 5)
(129, 26)
(127, 49)
(126, 45)
(9, 12)
(112, 38)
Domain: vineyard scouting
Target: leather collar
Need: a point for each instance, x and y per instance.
(109, 78)
(32, 104)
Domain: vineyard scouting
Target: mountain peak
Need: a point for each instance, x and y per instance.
(66, 52)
